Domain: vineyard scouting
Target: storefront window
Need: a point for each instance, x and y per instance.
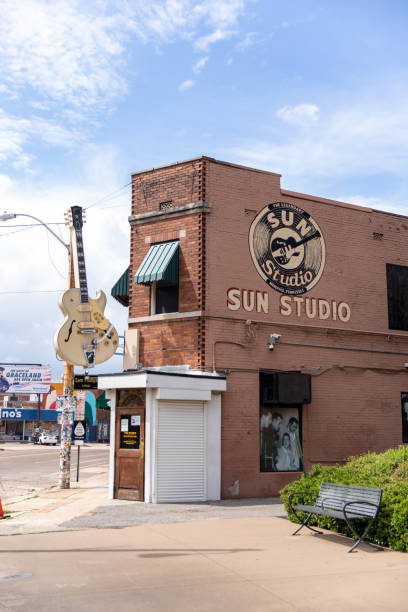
(404, 405)
(280, 437)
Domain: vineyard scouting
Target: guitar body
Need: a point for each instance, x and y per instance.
(84, 326)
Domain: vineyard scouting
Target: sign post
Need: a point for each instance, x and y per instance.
(79, 437)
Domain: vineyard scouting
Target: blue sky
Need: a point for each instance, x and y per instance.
(92, 91)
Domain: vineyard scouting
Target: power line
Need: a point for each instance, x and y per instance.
(39, 291)
(35, 224)
(114, 206)
(16, 232)
(108, 196)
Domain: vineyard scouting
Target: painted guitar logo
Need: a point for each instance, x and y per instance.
(287, 248)
(85, 337)
(283, 250)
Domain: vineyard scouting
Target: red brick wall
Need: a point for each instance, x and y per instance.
(357, 367)
(182, 184)
(357, 381)
(178, 341)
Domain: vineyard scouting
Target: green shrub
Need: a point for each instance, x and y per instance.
(387, 471)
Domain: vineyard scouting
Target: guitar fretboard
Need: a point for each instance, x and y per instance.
(83, 285)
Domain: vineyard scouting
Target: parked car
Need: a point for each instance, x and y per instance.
(47, 438)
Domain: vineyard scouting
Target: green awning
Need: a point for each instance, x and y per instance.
(120, 290)
(160, 264)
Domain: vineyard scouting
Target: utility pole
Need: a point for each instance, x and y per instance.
(67, 406)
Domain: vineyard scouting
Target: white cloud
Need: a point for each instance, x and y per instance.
(301, 115)
(199, 65)
(166, 20)
(186, 85)
(249, 40)
(16, 133)
(66, 60)
(204, 42)
(71, 52)
(220, 13)
(67, 52)
(365, 139)
(373, 202)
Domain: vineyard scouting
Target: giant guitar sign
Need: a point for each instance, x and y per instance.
(85, 337)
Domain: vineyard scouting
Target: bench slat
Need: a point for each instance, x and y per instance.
(333, 496)
(326, 512)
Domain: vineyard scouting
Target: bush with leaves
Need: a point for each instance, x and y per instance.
(387, 471)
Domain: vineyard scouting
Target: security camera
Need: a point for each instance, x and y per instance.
(406, 365)
(272, 338)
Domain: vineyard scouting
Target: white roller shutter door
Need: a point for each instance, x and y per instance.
(181, 452)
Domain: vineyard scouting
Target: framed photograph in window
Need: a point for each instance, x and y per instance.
(280, 438)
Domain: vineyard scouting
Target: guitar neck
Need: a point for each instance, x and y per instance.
(83, 284)
(79, 255)
(304, 240)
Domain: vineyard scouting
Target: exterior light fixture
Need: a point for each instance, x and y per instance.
(272, 338)
(7, 216)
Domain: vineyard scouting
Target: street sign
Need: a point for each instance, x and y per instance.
(79, 430)
(85, 382)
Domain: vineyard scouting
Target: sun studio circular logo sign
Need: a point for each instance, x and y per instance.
(287, 248)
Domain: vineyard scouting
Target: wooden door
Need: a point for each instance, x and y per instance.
(129, 455)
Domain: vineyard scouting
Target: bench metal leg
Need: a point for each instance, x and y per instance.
(362, 537)
(305, 524)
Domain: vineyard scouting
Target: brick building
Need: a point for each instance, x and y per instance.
(298, 301)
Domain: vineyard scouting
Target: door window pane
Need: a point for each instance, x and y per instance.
(130, 431)
(131, 397)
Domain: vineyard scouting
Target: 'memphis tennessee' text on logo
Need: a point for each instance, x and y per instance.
(287, 248)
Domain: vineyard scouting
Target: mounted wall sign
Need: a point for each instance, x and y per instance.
(287, 248)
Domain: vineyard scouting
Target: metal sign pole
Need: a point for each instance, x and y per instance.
(79, 448)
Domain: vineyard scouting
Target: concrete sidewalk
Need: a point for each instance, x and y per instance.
(86, 505)
(238, 564)
(219, 556)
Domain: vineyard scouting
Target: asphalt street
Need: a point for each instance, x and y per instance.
(28, 468)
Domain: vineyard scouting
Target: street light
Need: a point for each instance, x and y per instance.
(7, 216)
(68, 406)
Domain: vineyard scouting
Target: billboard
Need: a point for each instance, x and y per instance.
(24, 379)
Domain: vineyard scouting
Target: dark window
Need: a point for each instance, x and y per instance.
(397, 293)
(166, 298)
(404, 405)
(285, 388)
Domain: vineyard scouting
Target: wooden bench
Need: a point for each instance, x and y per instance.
(346, 502)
